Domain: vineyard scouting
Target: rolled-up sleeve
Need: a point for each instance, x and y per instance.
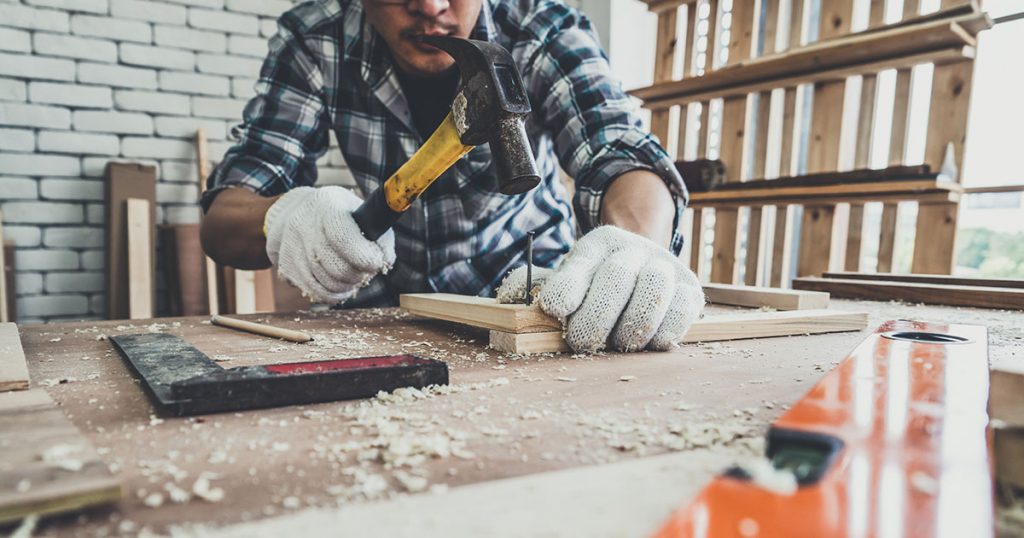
(597, 133)
(284, 130)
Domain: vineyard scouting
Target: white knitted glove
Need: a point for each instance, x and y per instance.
(317, 246)
(616, 289)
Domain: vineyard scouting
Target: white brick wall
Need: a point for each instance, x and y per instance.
(84, 82)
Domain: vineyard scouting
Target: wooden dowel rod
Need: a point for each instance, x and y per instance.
(261, 329)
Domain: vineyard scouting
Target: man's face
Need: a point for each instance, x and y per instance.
(401, 23)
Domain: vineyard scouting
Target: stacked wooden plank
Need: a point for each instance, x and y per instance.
(518, 328)
(46, 465)
(754, 240)
(928, 289)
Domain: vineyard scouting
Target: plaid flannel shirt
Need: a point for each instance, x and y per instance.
(328, 69)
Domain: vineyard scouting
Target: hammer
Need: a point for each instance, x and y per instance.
(488, 108)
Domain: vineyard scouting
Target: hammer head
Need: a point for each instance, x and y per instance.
(490, 106)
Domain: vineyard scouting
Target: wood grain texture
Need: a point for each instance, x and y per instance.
(696, 242)
(759, 297)
(710, 329)
(139, 230)
(932, 279)
(185, 270)
(124, 181)
(733, 145)
(4, 314)
(826, 193)
(815, 240)
(940, 294)
(481, 312)
(10, 269)
(781, 246)
(1006, 395)
(827, 60)
(43, 434)
(1007, 446)
(935, 244)
(752, 258)
(13, 370)
(887, 236)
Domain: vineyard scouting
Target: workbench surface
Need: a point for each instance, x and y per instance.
(505, 415)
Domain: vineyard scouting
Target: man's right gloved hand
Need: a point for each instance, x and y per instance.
(317, 246)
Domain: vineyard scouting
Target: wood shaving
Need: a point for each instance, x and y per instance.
(63, 457)
(202, 489)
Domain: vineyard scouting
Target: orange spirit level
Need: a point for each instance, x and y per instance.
(893, 442)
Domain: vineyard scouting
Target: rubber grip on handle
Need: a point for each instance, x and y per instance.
(374, 217)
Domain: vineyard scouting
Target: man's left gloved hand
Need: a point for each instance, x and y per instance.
(616, 289)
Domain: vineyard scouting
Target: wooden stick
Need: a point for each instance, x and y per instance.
(480, 312)
(13, 369)
(140, 259)
(977, 296)
(710, 329)
(211, 267)
(932, 279)
(261, 329)
(758, 297)
(3, 275)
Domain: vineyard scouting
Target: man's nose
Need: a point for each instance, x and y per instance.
(428, 8)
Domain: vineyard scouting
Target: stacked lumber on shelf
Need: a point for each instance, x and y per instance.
(928, 289)
(756, 239)
(517, 328)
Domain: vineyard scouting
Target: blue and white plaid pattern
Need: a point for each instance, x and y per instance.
(328, 69)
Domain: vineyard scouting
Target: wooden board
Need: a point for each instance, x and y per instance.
(4, 314)
(39, 475)
(932, 279)
(765, 190)
(139, 230)
(758, 297)
(982, 297)
(13, 370)
(710, 329)
(1006, 395)
(481, 312)
(185, 270)
(9, 271)
(124, 181)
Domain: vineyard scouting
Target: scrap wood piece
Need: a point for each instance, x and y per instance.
(13, 369)
(124, 181)
(758, 297)
(481, 312)
(9, 248)
(940, 294)
(4, 314)
(51, 468)
(931, 279)
(1006, 395)
(710, 329)
(140, 258)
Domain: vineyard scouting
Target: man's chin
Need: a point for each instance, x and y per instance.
(427, 65)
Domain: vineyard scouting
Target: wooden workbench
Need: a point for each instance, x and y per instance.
(507, 417)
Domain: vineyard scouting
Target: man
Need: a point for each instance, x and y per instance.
(358, 68)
